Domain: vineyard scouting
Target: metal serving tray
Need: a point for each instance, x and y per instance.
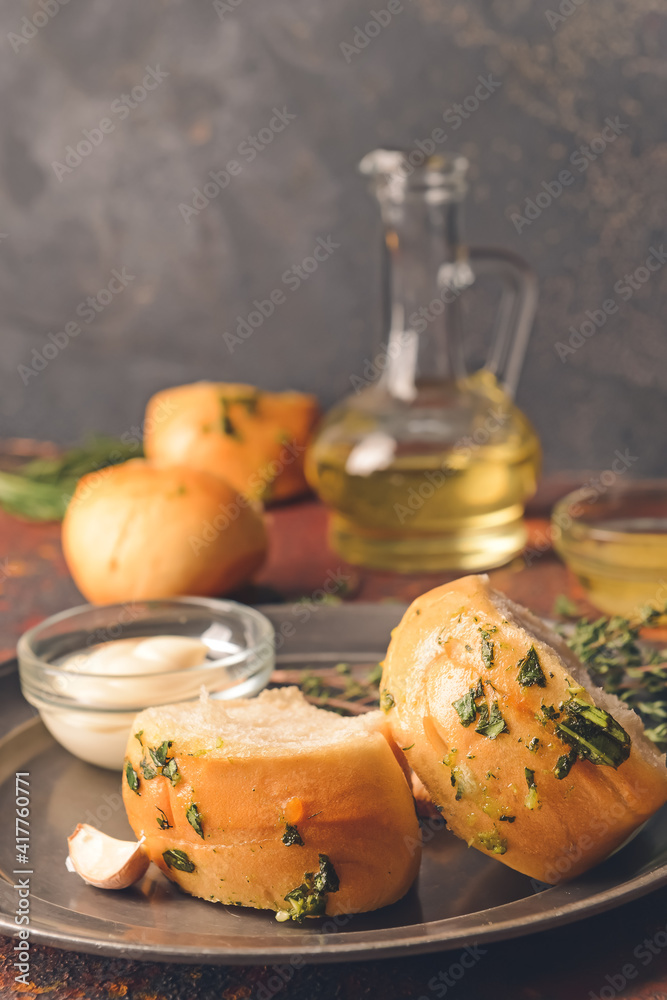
(460, 898)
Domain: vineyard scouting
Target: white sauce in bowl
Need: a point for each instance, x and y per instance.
(117, 675)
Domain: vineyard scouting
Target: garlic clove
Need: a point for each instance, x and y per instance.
(104, 861)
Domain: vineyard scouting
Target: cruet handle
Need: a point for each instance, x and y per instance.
(516, 311)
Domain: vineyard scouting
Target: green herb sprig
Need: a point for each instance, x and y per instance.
(178, 860)
(193, 817)
(42, 488)
(617, 661)
(310, 898)
(292, 836)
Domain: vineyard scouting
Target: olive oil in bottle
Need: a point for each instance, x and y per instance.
(429, 468)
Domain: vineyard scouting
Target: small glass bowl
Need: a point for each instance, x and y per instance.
(615, 542)
(91, 714)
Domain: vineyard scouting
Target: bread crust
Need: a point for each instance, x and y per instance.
(346, 794)
(563, 826)
(137, 531)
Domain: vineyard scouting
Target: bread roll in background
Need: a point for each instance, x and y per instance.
(255, 440)
(496, 712)
(254, 793)
(138, 531)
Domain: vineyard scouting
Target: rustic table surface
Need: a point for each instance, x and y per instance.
(620, 953)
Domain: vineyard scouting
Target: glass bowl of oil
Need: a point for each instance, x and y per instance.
(616, 544)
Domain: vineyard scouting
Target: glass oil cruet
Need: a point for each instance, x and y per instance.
(428, 467)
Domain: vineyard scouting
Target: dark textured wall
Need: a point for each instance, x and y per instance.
(66, 226)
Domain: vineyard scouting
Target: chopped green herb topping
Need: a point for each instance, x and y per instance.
(179, 860)
(148, 771)
(310, 898)
(170, 770)
(292, 836)
(594, 734)
(487, 648)
(455, 778)
(160, 755)
(226, 424)
(163, 763)
(132, 778)
(549, 712)
(493, 842)
(491, 724)
(506, 819)
(138, 735)
(534, 744)
(564, 607)
(162, 820)
(407, 748)
(532, 801)
(386, 700)
(468, 647)
(193, 817)
(466, 708)
(620, 663)
(530, 670)
(564, 764)
(250, 403)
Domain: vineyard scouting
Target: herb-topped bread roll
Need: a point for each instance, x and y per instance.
(255, 440)
(526, 759)
(274, 804)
